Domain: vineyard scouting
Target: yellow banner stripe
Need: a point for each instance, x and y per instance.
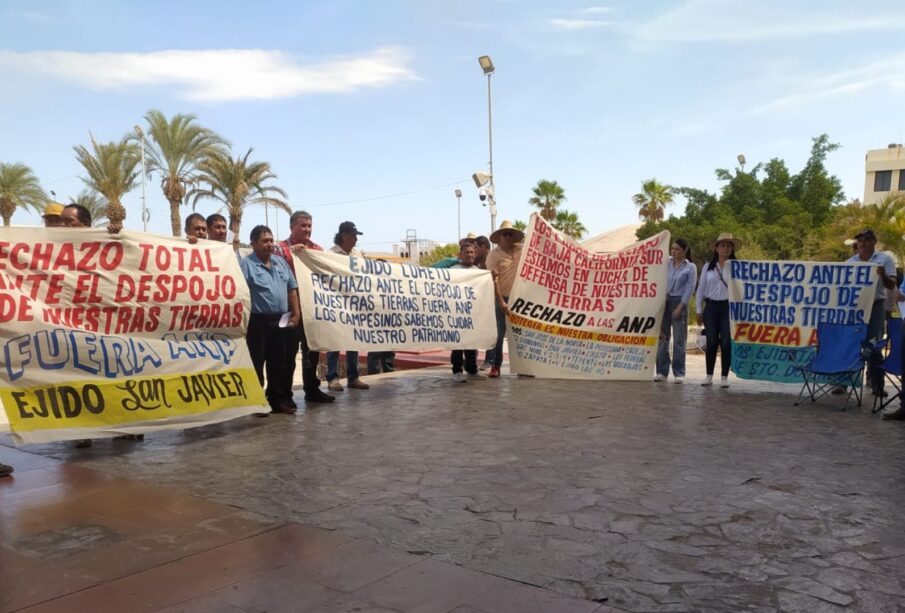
(584, 335)
(98, 403)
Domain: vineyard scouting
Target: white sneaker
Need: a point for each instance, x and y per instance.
(679, 380)
(476, 376)
(658, 377)
(724, 381)
(460, 377)
(708, 381)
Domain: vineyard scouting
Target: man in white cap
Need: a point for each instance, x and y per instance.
(502, 262)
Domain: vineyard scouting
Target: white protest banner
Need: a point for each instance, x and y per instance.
(774, 306)
(359, 304)
(108, 334)
(576, 314)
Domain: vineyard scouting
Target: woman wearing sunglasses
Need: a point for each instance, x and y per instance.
(713, 307)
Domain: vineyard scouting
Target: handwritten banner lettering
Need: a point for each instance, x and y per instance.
(103, 335)
(354, 303)
(774, 306)
(583, 315)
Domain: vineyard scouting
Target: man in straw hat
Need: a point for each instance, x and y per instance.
(502, 262)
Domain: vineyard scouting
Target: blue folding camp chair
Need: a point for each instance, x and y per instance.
(891, 367)
(838, 361)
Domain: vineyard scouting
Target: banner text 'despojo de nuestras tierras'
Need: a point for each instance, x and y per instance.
(103, 334)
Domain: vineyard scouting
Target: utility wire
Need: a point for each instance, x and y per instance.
(417, 191)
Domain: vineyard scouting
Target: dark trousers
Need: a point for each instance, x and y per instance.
(467, 356)
(296, 339)
(716, 325)
(267, 344)
(381, 361)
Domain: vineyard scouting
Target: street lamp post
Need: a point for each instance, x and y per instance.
(145, 215)
(459, 208)
(488, 68)
(741, 160)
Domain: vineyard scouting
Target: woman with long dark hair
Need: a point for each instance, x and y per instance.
(680, 280)
(713, 306)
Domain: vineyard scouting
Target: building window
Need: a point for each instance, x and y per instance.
(883, 181)
(902, 180)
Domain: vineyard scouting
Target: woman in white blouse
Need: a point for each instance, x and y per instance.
(713, 306)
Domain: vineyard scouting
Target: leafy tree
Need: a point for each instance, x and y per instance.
(438, 253)
(779, 215)
(19, 187)
(548, 195)
(567, 222)
(178, 146)
(95, 203)
(518, 224)
(112, 170)
(653, 199)
(237, 183)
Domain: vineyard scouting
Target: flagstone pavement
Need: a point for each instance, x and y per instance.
(515, 494)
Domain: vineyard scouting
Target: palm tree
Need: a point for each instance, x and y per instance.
(19, 187)
(179, 145)
(518, 224)
(237, 183)
(567, 223)
(653, 199)
(95, 203)
(547, 196)
(112, 173)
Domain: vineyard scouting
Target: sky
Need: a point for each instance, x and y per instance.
(376, 111)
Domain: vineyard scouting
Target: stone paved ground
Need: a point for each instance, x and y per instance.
(655, 497)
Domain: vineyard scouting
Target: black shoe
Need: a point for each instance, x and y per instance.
(5, 470)
(85, 443)
(897, 415)
(319, 396)
(283, 409)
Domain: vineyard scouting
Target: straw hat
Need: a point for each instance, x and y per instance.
(726, 237)
(507, 225)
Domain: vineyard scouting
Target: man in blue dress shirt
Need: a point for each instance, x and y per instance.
(272, 286)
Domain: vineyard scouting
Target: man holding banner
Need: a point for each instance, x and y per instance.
(274, 307)
(866, 242)
(502, 262)
(300, 227)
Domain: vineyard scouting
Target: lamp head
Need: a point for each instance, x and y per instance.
(458, 193)
(480, 178)
(741, 159)
(486, 64)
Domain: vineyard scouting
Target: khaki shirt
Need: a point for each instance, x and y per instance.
(506, 267)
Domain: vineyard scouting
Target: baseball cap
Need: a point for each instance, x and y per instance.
(53, 209)
(866, 233)
(347, 227)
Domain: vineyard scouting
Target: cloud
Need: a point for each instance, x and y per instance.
(579, 24)
(218, 75)
(722, 21)
(888, 73)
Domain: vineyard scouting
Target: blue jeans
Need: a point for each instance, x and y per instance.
(333, 365)
(716, 324)
(381, 360)
(679, 330)
(500, 334)
(876, 329)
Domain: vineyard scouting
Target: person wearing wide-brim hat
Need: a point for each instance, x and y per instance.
(713, 306)
(502, 262)
(507, 227)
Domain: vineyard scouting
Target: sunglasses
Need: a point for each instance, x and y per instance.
(507, 233)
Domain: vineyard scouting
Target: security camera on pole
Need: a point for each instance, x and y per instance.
(484, 182)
